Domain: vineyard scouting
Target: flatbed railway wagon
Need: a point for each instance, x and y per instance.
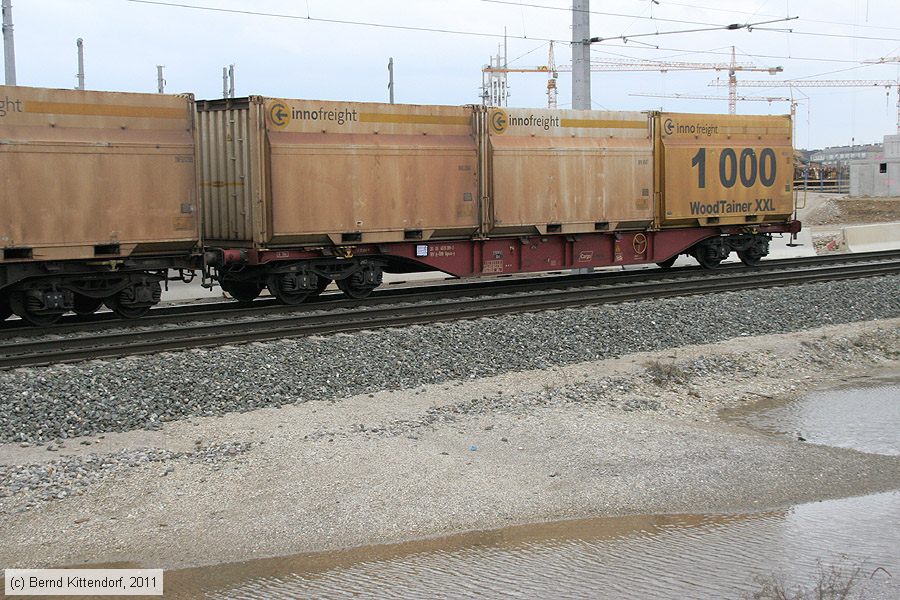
(98, 200)
(299, 193)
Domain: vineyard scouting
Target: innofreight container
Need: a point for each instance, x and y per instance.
(724, 169)
(95, 174)
(280, 172)
(569, 171)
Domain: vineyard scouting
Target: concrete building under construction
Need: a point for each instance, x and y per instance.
(877, 176)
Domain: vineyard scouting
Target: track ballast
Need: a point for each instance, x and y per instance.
(394, 308)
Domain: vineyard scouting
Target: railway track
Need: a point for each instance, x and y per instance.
(439, 303)
(459, 288)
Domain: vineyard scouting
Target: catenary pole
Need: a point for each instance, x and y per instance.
(581, 55)
(391, 78)
(9, 46)
(80, 44)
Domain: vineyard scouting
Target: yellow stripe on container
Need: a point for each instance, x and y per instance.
(104, 110)
(416, 119)
(602, 124)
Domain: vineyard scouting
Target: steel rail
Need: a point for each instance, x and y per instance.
(459, 288)
(113, 345)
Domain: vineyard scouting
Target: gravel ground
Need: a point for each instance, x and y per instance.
(829, 209)
(638, 434)
(65, 476)
(53, 404)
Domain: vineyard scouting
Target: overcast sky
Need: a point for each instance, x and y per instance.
(312, 58)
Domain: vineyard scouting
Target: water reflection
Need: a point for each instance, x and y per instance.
(862, 417)
(632, 557)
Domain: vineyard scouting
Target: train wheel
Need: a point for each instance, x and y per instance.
(19, 306)
(134, 301)
(85, 305)
(289, 297)
(751, 257)
(126, 311)
(355, 286)
(242, 291)
(667, 264)
(707, 258)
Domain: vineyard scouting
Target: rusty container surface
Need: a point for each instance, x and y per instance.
(724, 169)
(312, 172)
(95, 174)
(568, 171)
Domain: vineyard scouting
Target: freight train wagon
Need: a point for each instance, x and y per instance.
(299, 193)
(98, 200)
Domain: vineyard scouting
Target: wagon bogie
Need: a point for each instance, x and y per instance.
(296, 281)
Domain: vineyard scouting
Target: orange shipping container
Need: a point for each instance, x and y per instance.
(88, 174)
(568, 171)
(280, 172)
(724, 169)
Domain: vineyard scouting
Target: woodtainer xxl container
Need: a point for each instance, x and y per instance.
(724, 169)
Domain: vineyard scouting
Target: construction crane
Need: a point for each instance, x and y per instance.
(792, 83)
(769, 99)
(617, 64)
(883, 60)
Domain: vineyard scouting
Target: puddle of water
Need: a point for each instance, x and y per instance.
(669, 556)
(632, 557)
(864, 416)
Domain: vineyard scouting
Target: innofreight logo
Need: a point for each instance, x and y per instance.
(279, 114)
(499, 120)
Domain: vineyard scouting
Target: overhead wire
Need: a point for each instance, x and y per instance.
(740, 12)
(685, 51)
(598, 12)
(731, 27)
(414, 28)
(695, 22)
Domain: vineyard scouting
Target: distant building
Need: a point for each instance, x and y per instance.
(877, 176)
(835, 155)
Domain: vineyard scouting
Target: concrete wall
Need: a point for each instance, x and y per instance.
(892, 146)
(867, 180)
(872, 238)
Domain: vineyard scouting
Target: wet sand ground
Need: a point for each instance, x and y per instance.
(635, 435)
